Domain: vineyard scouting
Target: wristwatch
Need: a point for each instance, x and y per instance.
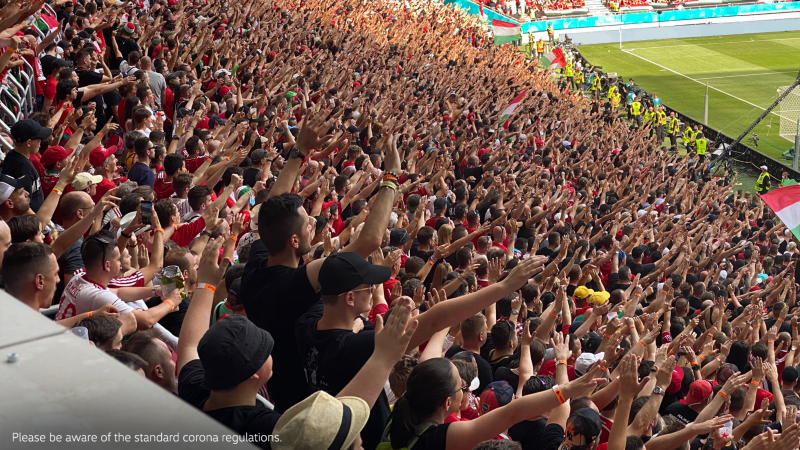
(658, 391)
(515, 312)
(205, 233)
(295, 153)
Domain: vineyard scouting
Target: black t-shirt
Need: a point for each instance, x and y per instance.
(613, 283)
(47, 64)
(638, 268)
(528, 433)
(89, 78)
(694, 302)
(274, 298)
(174, 320)
(241, 419)
(126, 46)
(249, 176)
(432, 438)
(682, 412)
(332, 358)
(485, 372)
(18, 166)
(551, 437)
(505, 374)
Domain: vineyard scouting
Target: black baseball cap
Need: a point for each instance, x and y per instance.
(8, 185)
(439, 205)
(790, 374)
(28, 129)
(583, 427)
(231, 351)
(343, 272)
(398, 237)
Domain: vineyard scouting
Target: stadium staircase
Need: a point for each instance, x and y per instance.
(597, 8)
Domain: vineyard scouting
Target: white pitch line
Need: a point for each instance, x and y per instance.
(747, 75)
(701, 83)
(752, 41)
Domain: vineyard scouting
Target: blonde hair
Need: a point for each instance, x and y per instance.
(445, 233)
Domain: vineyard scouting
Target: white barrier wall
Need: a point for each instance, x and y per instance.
(57, 388)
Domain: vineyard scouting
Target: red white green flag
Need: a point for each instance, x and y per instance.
(505, 32)
(509, 111)
(785, 202)
(554, 59)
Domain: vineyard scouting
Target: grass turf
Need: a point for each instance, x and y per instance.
(742, 68)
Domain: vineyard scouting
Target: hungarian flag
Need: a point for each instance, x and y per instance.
(785, 202)
(480, 8)
(554, 59)
(510, 109)
(505, 32)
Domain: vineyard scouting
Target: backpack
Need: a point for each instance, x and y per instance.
(386, 440)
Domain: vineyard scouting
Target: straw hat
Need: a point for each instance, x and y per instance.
(320, 421)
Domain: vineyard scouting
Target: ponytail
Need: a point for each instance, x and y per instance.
(404, 423)
(429, 385)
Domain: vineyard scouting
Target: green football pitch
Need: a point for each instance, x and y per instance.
(743, 73)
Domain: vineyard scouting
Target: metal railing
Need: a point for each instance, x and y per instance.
(18, 99)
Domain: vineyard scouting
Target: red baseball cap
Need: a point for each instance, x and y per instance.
(99, 155)
(55, 154)
(698, 391)
(675, 383)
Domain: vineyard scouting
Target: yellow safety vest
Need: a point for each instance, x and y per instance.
(615, 101)
(760, 181)
(549, 30)
(636, 108)
(595, 83)
(579, 77)
(648, 116)
(540, 47)
(611, 91)
(701, 146)
(673, 125)
(688, 135)
(662, 117)
(568, 70)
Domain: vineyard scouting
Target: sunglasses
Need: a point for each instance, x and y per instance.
(104, 241)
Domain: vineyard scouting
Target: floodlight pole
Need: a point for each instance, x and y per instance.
(727, 147)
(705, 108)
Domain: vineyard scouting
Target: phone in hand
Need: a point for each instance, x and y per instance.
(147, 212)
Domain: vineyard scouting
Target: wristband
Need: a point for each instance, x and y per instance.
(724, 395)
(710, 335)
(122, 233)
(209, 287)
(631, 327)
(702, 358)
(89, 314)
(771, 342)
(607, 336)
(169, 303)
(756, 383)
(552, 315)
(233, 237)
(671, 352)
(430, 261)
(57, 191)
(559, 395)
(780, 320)
(100, 134)
(561, 361)
(416, 220)
(643, 343)
(159, 229)
(694, 363)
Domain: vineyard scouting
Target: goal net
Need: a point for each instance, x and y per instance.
(789, 112)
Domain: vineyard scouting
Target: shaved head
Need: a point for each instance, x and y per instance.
(72, 202)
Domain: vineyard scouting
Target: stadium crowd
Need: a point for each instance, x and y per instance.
(313, 220)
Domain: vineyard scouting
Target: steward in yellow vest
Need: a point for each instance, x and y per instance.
(701, 145)
(763, 183)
